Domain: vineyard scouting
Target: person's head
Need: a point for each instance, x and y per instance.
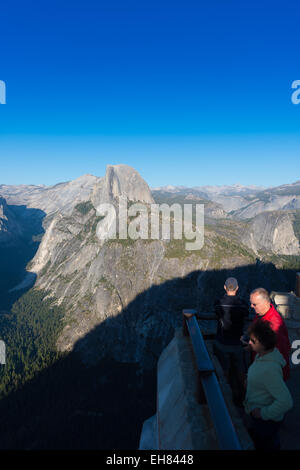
(262, 337)
(231, 286)
(260, 300)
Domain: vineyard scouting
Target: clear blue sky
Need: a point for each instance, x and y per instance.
(187, 92)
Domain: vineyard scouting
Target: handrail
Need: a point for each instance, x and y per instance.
(226, 434)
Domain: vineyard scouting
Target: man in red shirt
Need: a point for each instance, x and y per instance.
(260, 301)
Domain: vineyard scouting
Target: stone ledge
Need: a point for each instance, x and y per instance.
(181, 423)
(287, 304)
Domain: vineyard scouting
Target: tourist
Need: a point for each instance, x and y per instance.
(267, 396)
(265, 310)
(231, 312)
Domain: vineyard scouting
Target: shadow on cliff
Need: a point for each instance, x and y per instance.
(103, 406)
(16, 255)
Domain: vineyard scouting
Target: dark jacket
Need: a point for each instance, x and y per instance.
(231, 311)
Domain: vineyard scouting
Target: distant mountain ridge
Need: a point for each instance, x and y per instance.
(62, 196)
(238, 200)
(214, 189)
(243, 202)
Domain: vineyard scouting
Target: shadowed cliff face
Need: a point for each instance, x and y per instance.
(23, 223)
(10, 227)
(20, 236)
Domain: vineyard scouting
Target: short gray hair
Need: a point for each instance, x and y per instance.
(263, 293)
(231, 284)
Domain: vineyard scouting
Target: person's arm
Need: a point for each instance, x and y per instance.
(282, 398)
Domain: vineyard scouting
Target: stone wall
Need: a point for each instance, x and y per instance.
(288, 305)
(181, 423)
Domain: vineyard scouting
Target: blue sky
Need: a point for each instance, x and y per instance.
(187, 92)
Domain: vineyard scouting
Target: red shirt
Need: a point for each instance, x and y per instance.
(283, 343)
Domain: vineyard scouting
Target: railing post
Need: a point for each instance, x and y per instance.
(186, 314)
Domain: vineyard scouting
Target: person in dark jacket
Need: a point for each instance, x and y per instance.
(231, 312)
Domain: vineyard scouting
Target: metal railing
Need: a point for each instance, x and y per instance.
(209, 390)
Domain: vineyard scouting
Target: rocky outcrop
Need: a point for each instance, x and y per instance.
(10, 228)
(274, 232)
(274, 203)
(121, 180)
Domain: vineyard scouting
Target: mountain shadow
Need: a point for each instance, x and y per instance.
(16, 254)
(70, 405)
